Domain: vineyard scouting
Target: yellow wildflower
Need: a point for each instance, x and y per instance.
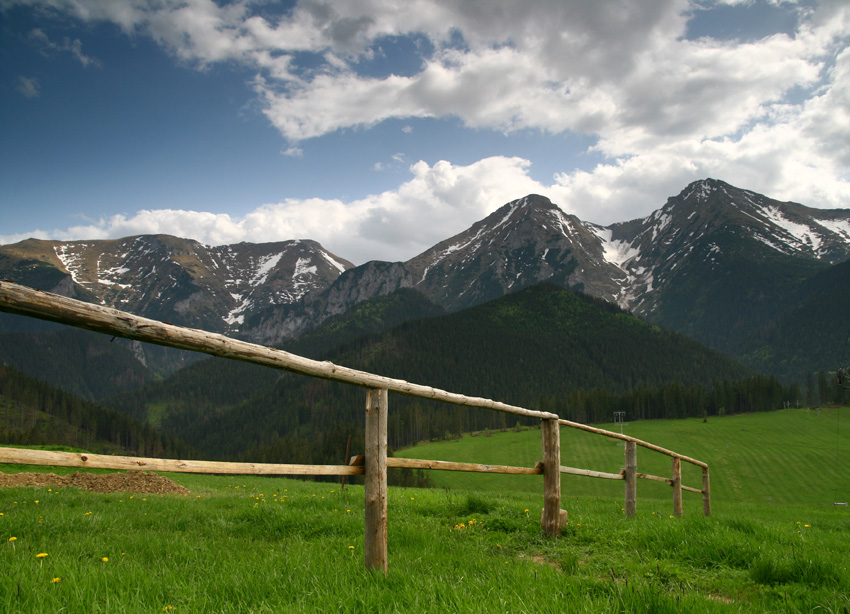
(13, 538)
(55, 580)
(41, 555)
(105, 559)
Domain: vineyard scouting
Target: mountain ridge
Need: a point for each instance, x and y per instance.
(714, 263)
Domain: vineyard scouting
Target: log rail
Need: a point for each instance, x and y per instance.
(18, 299)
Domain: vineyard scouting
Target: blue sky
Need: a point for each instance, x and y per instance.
(380, 127)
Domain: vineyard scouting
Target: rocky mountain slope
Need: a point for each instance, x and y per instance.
(715, 259)
(715, 262)
(173, 279)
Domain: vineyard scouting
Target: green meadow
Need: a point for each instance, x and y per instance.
(793, 456)
(774, 543)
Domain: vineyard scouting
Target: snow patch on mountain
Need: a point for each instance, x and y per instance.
(804, 234)
(614, 251)
(71, 259)
(337, 265)
(237, 314)
(839, 227)
(702, 189)
(265, 266)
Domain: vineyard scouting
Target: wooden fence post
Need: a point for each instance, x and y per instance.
(551, 433)
(375, 550)
(630, 478)
(706, 492)
(677, 486)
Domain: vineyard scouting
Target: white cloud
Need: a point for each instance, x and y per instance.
(769, 115)
(436, 202)
(28, 87)
(293, 152)
(74, 47)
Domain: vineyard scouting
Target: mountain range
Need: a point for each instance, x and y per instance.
(728, 267)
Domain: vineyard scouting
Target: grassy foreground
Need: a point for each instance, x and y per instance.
(270, 545)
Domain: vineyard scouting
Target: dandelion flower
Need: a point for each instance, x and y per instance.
(105, 559)
(351, 547)
(87, 514)
(13, 538)
(807, 525)
(41, 555)
(55, 580)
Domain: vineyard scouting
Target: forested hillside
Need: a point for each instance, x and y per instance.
(809, 334)
(527, 348)
(81, 362)
(34, 413)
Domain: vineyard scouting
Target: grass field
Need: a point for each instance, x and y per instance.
(269, 545)
(792, 456)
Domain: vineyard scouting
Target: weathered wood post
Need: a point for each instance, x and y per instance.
(630, 477)
(706, 492)
(375, 550)
(677, 486)
(551, 433)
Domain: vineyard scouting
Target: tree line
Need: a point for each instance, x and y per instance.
(35, 413)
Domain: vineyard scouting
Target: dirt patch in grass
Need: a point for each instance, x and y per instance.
(132, 481)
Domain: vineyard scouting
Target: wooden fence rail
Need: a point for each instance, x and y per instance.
(21, 300)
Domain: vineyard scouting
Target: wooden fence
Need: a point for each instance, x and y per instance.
(22, 300)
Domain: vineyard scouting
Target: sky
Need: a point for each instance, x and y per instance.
(381, 127)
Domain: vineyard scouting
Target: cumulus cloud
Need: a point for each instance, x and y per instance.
(436, 202)
(769, 114)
